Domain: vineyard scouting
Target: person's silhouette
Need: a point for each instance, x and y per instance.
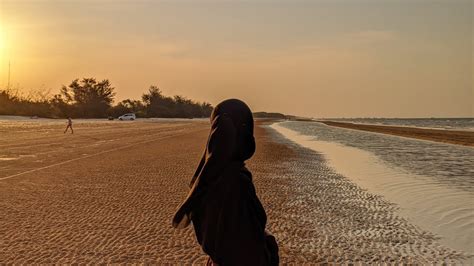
(69, 125)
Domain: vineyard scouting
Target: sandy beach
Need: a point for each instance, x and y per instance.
(107, 193)
(447, 136)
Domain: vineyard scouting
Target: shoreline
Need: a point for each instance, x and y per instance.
(465, 138)
(321, 216)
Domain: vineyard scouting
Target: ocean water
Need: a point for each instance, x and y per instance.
(451, 165)
(437, 123)
(432, 183)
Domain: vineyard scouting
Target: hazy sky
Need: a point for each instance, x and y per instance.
(335, 58)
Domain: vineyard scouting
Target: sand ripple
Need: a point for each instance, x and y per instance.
(319, 216)
(112, 208)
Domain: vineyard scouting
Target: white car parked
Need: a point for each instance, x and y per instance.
(130, 116)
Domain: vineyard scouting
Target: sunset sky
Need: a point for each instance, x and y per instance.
(341, 58)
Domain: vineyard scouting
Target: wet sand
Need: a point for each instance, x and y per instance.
(107, 194)
(447, 136)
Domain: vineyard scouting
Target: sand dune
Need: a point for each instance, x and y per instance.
(112, 200)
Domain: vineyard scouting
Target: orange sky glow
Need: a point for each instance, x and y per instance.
(349, 58)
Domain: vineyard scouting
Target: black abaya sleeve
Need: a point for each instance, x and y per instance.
(231, 225)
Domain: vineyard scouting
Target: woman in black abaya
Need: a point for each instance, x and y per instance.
(228, 218)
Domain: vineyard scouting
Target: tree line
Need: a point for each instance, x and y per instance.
(89, 98)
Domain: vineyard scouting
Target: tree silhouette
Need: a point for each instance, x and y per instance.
(158, 105)
(89, 97)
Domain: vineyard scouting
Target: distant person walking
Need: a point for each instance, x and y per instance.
(229, 220)
(69, 125)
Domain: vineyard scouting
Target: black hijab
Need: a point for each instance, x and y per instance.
(230, 142)
(228, 218)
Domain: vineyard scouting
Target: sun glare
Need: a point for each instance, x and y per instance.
(2, 41)
(3, 45)
(3, 51)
